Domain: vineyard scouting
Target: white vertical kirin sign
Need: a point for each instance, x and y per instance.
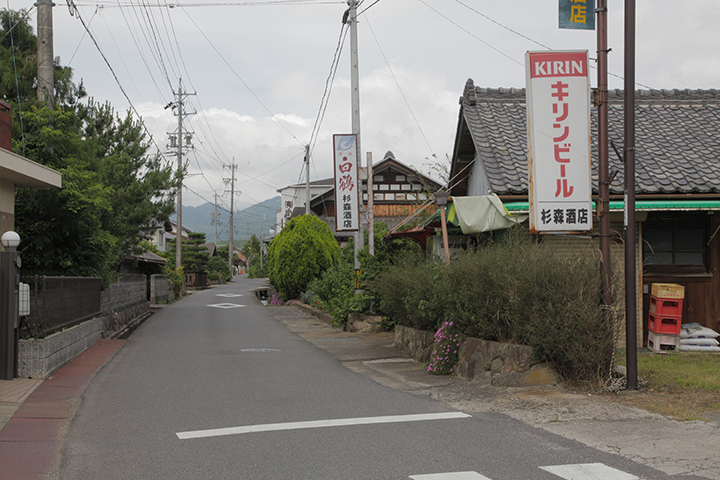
(559, 159)
(346, 183)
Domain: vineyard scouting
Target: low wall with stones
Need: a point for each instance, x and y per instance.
(124, 305)
(503, 364)
(129, 289)
(41, 358)
(161, 290)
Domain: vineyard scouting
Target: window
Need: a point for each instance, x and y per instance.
(674, 240)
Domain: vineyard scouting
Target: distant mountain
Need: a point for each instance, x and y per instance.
(257, 219)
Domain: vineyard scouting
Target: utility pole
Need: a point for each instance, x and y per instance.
(178, 142)
(215, 219)
(355, 97)
(45, 72)
(370, 208)
(231, 244)
(603, 165)
(307, 179)
(630, 242)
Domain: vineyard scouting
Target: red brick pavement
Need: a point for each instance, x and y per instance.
(30, 442)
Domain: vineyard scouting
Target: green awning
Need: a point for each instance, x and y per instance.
(640, 205)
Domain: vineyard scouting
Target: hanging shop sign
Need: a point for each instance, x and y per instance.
(558, 119)
(347, 216)
(576, 14)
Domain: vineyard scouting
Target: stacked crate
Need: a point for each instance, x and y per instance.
(665, 317)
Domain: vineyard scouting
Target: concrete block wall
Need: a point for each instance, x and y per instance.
(123, 303)
(161, 290)
(41, 358)
(129, 289)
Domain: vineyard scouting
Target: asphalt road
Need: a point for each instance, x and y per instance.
(214, 387)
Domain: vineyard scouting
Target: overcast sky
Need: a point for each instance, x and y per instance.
(259, 68)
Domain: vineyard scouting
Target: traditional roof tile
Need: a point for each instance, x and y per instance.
(677, 140)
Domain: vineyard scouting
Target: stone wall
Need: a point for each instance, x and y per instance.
(129, 289)
(124, 304)
(40, 358)
(161, 290)
(503, 364)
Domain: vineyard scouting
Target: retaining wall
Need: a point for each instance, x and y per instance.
(123, 304)
(161, 290)
(503, 364)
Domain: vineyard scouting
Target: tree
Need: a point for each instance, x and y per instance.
(302, 250)
(251, 247)
(194, 254)
(112, 187)
(219, 265)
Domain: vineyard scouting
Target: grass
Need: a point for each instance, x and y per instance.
(682, 385)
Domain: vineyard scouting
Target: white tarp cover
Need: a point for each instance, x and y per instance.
(484, 214)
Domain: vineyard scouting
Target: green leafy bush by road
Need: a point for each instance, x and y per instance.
(516, 290)
(302, 250)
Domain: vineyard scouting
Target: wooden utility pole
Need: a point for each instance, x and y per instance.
(45, 71)
(630, 242)
(603, 164)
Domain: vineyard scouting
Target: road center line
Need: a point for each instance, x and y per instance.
(341, 422)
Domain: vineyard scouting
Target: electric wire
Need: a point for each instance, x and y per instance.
(432, 152)
(472, 34)
(112, 71)
(240, 78)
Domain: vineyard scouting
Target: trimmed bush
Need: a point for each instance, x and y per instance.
(302, 250)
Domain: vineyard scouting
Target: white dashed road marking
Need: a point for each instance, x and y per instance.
(229, 295)
(588, 471)
(450, 476)
(341, 422)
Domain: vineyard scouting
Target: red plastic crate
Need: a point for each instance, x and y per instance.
(666, 306)
(665, 324)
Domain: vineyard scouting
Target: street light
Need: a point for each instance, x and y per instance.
(10, 240)
(9, 260)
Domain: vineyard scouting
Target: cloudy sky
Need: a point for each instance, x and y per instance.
(259, 68)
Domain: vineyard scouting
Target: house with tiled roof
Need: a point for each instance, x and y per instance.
(677, 182)
(398, 190)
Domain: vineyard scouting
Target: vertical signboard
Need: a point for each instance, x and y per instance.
(346, 183)
(558, 116)
(576, 14)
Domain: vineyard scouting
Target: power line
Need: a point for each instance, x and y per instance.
(398, 84)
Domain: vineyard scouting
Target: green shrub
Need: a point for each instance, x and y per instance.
(515, 290)
(336, 290)
(177, 277)
(213, 277)
(302, 250)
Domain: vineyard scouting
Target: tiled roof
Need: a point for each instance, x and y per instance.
(677, 139)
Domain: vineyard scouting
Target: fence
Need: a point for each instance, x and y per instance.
(59, 302)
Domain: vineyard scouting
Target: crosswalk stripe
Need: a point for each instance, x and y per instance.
(450, 476)
(588, 471)
(580, 471)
